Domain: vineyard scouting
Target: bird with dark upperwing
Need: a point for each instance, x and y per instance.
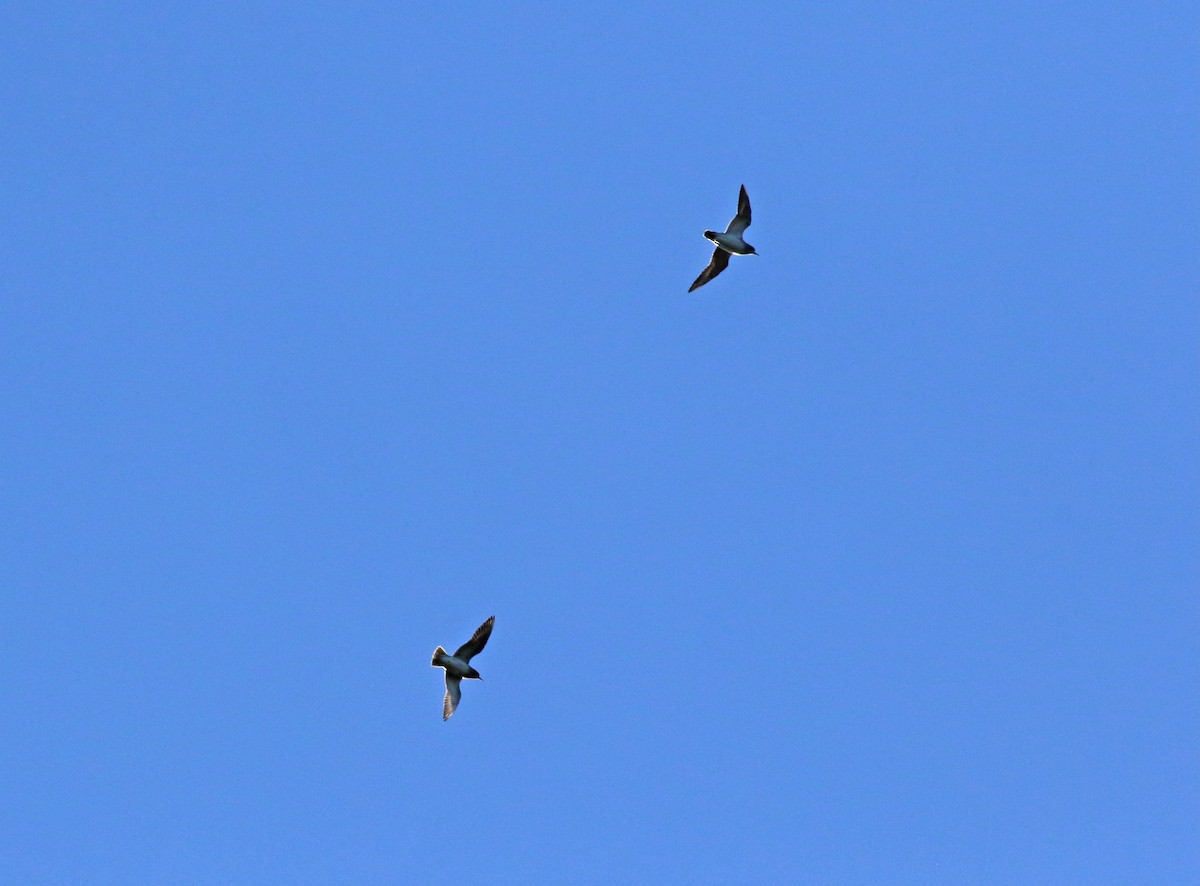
(458, 665)
(729, 242)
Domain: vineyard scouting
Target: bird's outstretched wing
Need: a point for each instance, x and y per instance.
(478, 640)
(720, 261)
(741, 221)
(453, 694)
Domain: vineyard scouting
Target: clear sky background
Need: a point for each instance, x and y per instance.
(328, 331)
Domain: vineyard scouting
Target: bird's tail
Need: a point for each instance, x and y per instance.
(437, 657)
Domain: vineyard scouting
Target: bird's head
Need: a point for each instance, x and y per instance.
(473, 675)
(753, 251)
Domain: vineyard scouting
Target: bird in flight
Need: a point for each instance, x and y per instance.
(458, 665)
(729, 242)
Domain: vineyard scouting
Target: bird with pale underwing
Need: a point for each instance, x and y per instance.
(458, 666)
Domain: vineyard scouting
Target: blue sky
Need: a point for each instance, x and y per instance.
(328, 332)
